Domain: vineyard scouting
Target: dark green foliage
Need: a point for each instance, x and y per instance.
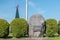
(4, 28)
(19, 27)
(59, 27)
(51, 27)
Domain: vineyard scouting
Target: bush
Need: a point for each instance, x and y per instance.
(59, 27)
(19, 27)
(51, 27)
(4, 28)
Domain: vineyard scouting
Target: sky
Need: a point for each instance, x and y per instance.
(46, 8)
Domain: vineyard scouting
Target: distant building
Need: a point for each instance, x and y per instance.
(36, 25)
(17, 12)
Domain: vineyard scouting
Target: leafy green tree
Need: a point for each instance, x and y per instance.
(51, 27)
(19, 27)
(4, 28)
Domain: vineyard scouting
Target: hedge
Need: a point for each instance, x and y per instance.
(59, 27)
(19, 27)
(51, 27)
(4, 28)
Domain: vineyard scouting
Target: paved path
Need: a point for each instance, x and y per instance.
(43, 38)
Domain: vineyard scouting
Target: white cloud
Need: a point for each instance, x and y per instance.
(35, 7)
(39, 10)
(31, 4)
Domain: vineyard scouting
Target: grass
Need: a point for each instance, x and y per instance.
(54, 38)
(10, 37)
(49, 38)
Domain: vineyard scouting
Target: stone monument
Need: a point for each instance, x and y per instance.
(36, 26)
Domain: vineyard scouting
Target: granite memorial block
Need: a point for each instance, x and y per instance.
(36, 25)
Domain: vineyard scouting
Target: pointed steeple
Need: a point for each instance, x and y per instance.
(17, 12)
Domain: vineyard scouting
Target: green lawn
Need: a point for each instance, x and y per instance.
(54, 38)
(49, 38)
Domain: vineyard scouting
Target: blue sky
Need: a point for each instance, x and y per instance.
(47, 8)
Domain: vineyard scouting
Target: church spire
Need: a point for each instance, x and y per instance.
(17, 12)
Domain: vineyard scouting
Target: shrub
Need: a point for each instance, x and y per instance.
(4, 28)
(19, 27)
(59, 27)
(51, 27)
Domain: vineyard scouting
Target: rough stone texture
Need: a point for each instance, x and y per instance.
(36, 25)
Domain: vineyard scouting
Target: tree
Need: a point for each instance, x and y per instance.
(19, 27)
(51, 27)
(4, 28)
